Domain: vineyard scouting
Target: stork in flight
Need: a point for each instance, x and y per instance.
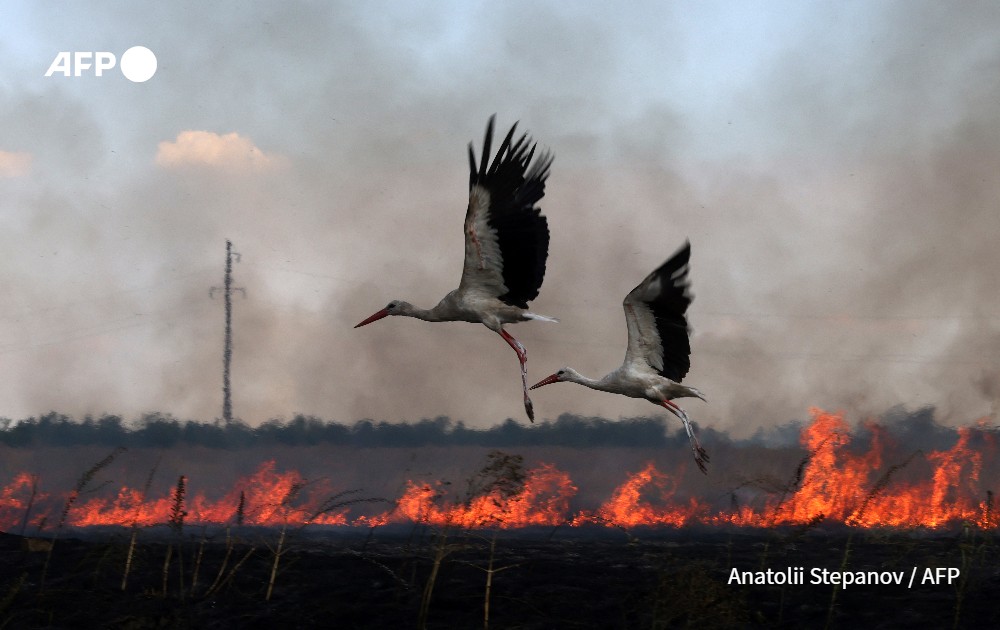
(658, 354)
(506, 245)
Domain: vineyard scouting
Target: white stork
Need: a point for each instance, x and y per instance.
(658, 354)
(506, 245)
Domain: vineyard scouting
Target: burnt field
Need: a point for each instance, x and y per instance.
(399, 576)
(879, 526)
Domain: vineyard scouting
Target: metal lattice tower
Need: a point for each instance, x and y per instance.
(227, 353)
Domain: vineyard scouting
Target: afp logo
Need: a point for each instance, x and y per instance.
(138, 64)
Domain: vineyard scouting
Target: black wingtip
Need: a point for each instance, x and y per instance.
(504, 148)
(515, 180)
(487, 145)
(669, 307)
(683, 253)
(472, 166)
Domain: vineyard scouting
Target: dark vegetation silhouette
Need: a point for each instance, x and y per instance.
(157, 430)
(911, 430)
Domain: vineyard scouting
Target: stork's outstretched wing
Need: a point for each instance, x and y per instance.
(655, 314)
(506, 236)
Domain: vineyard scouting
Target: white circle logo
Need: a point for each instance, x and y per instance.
(138, 64)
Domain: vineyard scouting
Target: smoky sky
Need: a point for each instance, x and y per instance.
(833, 164)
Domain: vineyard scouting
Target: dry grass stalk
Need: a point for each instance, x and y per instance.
(223, 565)
(197, 560)
(166, 568)
(880, 485)
(232, 572)
(286, 509)
(274, 566)
(31, 503)
(85, 479)
(490, 572)
(503, 478)
(230, 543)
(442, 550)
(176, 524)
(135, 523)
(334, 502)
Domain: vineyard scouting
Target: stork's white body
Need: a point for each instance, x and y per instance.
(634, 382)
(473, 307)
(506, 246)
(658, 353)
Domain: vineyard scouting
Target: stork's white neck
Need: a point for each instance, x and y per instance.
(408, 310)
(572, 376)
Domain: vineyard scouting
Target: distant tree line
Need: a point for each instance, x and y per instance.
(910, 429)
(157, 430)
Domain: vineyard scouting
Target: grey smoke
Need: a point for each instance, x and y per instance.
(837, 182)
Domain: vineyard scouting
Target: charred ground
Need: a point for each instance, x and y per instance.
(200, 573)
(544, 579)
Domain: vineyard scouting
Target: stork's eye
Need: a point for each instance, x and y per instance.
(391, 305)
(561, 373)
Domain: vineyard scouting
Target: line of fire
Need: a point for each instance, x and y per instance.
(836, 483)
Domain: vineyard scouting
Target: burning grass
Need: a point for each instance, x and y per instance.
(515, 545)
(841, 480)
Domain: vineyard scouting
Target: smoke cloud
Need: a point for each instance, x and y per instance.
(833, 166)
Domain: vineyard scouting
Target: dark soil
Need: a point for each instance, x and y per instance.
(589, 578)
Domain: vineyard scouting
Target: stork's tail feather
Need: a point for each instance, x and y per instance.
(541, 318)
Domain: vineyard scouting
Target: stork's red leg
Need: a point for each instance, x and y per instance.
(700, 454)
(522, 357)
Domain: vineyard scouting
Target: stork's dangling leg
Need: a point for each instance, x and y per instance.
(522, 356)
(700, 454)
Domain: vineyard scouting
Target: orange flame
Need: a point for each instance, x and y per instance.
(544, 500)
(270, 498)
(833, 482)
(628, 507)
(16, 501)
(833, 485)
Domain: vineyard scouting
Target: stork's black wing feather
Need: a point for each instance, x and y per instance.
(662, 300)
(514, 185)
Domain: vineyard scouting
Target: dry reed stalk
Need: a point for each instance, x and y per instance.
(225, 563)
(880, 485)
(232, 572)
(503, 477)
(442, 551)
(286, 509)
(197, 561)
(274, 566)
(230, 543)
(135, 523)
(31, 503)
(166, 568)
(176, 524)
(490, 572)
(790, 488)
(334, 502)
(128, 557)
(85, 479)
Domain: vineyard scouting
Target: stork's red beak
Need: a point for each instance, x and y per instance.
(374, 318)
(546, 381)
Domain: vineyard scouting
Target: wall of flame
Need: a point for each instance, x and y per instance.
(834, 483)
